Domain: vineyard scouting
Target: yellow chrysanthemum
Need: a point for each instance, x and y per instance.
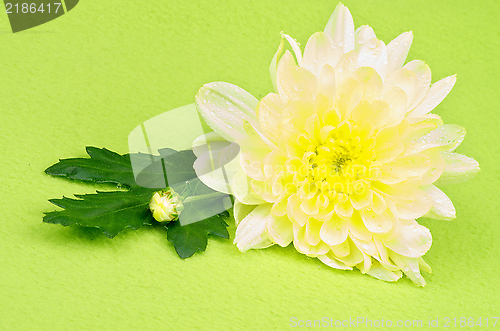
(343, 158)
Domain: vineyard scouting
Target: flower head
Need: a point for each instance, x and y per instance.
(343, 158)
(166, 205)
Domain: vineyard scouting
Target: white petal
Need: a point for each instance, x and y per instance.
(379, 272)
(332, 262)
(418, 206)
(340, 28)
(442, 207)
(251, 232)
(241, 189)
(302, 246)
(294, 211)
(404, 79)
(269, 113)
(240, 211)
(357, 228)
(280, 230)
(206, 142)
(366, 264)
(458, 168)
(370, 83)
(216, 168)
(355, 255)
(424, 266)
(410, 266)
(445, 138)
(345, 67)
(295, 47)
(398, 50)
(423, 76)
(436, 94)
(311, 234)
(420, 126)
(294, 82)
(320, 51)
(396, 98)
(373, 54)
(383, 256)
(334, 231)
(255, 138)
(225, 107)
(273, 67)
(437, 167)
(410, 239)
(382, 223)
(367, 247)
(363, 34)
(327, 83)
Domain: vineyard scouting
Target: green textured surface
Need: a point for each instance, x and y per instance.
(92, 75)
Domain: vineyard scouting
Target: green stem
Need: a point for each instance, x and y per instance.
(203, 196)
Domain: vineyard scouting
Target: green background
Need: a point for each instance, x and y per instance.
(92, 75)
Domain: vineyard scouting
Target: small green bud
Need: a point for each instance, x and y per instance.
(166, 205)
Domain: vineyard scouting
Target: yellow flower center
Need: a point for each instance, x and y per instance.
(338, 165)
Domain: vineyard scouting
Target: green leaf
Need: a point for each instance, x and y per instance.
(111, 212)
(165, 170)
(105, 166)
(189, 239)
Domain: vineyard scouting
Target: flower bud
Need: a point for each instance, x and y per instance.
(166, 205)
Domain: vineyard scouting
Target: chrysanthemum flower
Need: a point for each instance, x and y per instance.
(343, 159)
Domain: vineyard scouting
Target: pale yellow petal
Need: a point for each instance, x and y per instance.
(375, 223)
(340, 28)
(398, 49)
(442, 207)
(363, 34)
(251, 232)
(423, 76)
(241, 189)
(280, 230)
(411, 239)
(379, 272)
(225, 107)
(334, 231)
(445, 138)
(409, 266)
(373, 54)
(435, 96)
(294, 82)
(319, 51)
(458, 168)
(330, 261)
(358, 229)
